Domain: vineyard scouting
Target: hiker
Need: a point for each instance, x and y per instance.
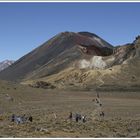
(30, 118)
(18, 119)
(84, 119)
(102, 114)
(97, 101)
(13, 118)
(70, 116)
(77, 117)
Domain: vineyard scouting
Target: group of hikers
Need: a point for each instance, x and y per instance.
(77, 117)
(99, 104)
(21, 119)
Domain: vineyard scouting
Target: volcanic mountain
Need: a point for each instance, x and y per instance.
(62, 51)
(118, 71)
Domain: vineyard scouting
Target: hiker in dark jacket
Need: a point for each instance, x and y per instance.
(77, 117)
(13, 118)
(30, 118)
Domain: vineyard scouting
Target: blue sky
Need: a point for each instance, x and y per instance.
(25, 26)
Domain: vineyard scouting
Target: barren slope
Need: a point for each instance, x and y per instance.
(56, 54)
(121, 72)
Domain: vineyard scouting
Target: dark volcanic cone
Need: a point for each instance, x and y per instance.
(56, 54)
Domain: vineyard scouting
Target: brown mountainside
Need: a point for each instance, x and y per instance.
(57, 54)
